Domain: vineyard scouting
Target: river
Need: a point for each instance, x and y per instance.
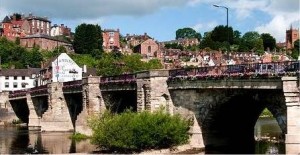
(14, 140)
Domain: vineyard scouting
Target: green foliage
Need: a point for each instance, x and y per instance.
(14, 55)
(252, 41)
(187, 33)
(133, 132)
(78, 136)
(295, 50)
(173, 46)
(222, 34)
(84, 59)
(87, 38)
(269, 41)
(116, 63)
(266, 113)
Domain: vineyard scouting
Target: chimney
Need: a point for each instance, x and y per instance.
(84, 69)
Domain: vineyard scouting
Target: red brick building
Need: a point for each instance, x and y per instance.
(291, 36)
(14, 26)
(134, 40)
(111, 39)
(18, 25)
(148, 49)
(44, 42)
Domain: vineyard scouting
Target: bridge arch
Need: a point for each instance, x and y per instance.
(227, 116)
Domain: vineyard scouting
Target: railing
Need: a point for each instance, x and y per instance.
(17, 93)
(39, 90)
(124, 78)
(265, 70)
(72, 84)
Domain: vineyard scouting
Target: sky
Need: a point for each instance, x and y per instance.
(161, 18)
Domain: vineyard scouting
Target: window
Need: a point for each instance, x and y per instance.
(149, 49)
(6, 77)
(111, 34)
(6, 84)
(15, 84)
(15, 77)
(23, 85)
(23, 77)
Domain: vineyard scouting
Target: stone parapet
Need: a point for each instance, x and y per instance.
(291, 93)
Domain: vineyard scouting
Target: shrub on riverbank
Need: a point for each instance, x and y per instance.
(134, 132)
(78, 136)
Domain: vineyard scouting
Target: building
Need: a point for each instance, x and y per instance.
(40, 25)
(44, 42)
(18, 25)
(148, 49)
(134, 40)
(60, 69)
(14, 26)
(185, 42)
(291, 36)
(60, 30)
(111, 39)
(18, 79)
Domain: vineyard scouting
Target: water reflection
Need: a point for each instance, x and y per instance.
(270, 139)
(20, 141)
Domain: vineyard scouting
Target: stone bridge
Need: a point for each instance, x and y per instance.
(224, 106)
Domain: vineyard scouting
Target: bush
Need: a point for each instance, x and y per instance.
(78, 136)
(134, 132)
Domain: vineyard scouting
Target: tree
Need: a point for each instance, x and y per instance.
(187, 33)
(219, 34)
(252, 41)
(269, 41)
(295, 51)
(207, 41)
(87, 38)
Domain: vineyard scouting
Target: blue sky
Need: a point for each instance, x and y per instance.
(161, 18)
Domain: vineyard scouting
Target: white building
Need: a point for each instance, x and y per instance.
(60, 69)
(17, 79)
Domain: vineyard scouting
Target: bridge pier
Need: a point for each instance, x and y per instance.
(7, 113)
(291, 93)
(57, 117)
(153, 94)
(152, 91)
(34, 119)
(93, 104)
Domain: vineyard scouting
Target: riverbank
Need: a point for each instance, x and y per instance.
(182, 149)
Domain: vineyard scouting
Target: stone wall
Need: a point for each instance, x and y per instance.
(93, 104)
(291, 93)
(7, 113)
(57, 117)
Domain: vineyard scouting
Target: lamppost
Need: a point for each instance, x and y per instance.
(219, 6)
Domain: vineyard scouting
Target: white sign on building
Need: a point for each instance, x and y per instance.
(64, 69)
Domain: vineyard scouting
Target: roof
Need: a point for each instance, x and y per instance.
(38, 18)
(38, 35)
(19, 72)
(90, 71)
(6, 20)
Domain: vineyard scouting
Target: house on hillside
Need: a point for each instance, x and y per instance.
(148, 49)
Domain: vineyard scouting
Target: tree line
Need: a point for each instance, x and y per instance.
(226, 39)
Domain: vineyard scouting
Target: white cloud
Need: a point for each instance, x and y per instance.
(208, 26)
(284, 14)
(277, 26)
(79, 9)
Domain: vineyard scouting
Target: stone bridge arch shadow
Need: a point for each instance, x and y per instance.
(227, 116)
